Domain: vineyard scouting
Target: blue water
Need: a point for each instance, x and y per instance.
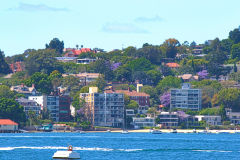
(116, 146)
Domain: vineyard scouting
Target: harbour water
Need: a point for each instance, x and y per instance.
(116, 146)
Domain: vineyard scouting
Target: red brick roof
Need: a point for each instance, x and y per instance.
(173, 65)
(7, 122)
(129, 93)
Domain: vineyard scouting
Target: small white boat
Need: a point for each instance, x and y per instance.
(69, 154)
(194, 131)
(174, 131)
(124, 132)
(109, 130)
(155, 131)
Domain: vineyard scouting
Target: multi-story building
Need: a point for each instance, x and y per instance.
(64, 108)
(85, 78)
(141, 98)
(29, 105)
(234, 117)
(168, 119)
(104, 109)
(140, 122)
(85, 60)
(49, 102)
(210, 119)
(186, 98)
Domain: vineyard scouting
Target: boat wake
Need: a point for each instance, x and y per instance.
(65, 148)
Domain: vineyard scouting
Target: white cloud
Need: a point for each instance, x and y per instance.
(149, 19)
(37, 7)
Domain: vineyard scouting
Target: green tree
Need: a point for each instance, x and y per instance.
(5, 92)
(4, 68)
(167, 83)
(10, 109)
(155, 76)
(132, 105)
(170, 47)
(235, 35)
(100, 83)
(56, 44)
(103, 67)
(235, 51)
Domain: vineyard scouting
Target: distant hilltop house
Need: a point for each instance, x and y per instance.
(7, 125)
(17, 67)
(85, 78)
(188, 77)
(71, 52)
(172, 65)
(27, 91)
(66, 59)
(197, 50)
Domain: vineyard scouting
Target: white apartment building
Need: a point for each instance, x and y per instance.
(186, 98)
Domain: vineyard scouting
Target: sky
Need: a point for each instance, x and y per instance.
(112, 24)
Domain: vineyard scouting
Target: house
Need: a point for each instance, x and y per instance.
(66, 59)
(27, 91)
(234, 117)
(85, 60)
(130, 112)
(85, 78)
(17, 66)
(77, 52)
(188, 77)
(168, 119)
(210, 119)
(186, 98)
(198, 49)
(7, 125)
(141, 98)
(172, 65)
(29, 105)
(51, 103)
(104, 109)
(140, 122)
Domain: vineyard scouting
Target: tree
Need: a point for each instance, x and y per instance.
(152, 53)
(100, 83)
(235, 51)
(10, 109)
(42, 61)
(4, 67)
(103, 67)
(170, 47)
(41, 81)
(230, 98)
(235, 35)
(167, 83)
(165, 99)
(56, 44)
(5, 92)
(155, 76)
(132, 105)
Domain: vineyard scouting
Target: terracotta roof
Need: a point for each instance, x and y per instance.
(129, 93)
(92, 75)
(7, 122)
(173, 65)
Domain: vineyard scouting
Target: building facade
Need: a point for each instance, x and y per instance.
(211, 120)
(186, 98)
(7, 125)
(29, 105)
(64, 108)
(49, 102)
(140, 122)
(104, 109)
(168, 119)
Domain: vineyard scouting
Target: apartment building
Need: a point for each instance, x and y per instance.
(104, 109)
(186, 98)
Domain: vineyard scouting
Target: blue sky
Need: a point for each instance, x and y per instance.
(111, 24)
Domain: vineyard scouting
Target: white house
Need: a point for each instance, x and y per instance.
(143, 122)
(211, 120)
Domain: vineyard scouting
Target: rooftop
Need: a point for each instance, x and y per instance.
(173, 65)
(129, 93)
(7, 122)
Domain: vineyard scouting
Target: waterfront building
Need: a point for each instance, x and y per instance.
(29, 105)
(130, 112)
(168, 119)
(234, 117)
(210, 119)
(7, 125)
(186, 98)
(104, 109)
(140, 122)
(49, 102)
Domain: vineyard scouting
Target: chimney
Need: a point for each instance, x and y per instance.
(33, 85)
